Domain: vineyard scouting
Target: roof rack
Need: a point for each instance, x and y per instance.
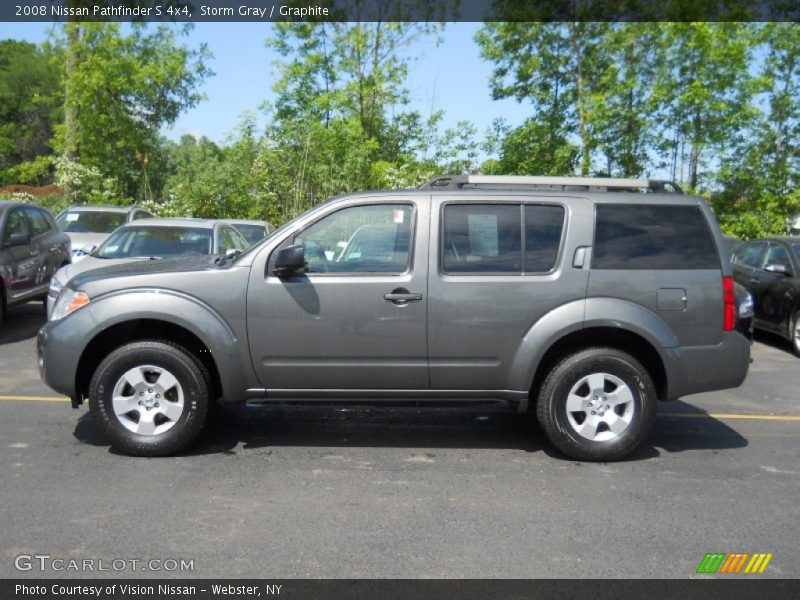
(593, 184)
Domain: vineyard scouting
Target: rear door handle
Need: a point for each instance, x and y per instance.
(402, 296)
(755, 281)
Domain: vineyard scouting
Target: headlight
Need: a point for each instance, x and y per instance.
(746, 306)
(68, 302)
(55, 288)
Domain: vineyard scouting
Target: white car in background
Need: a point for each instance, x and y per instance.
(152, 239)
(89, 226)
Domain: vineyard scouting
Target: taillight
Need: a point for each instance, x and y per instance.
(729, 316)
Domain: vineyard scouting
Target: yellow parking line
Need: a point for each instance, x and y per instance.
(35, 398)
(732, 416)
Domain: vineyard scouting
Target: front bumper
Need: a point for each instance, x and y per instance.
(57, 357)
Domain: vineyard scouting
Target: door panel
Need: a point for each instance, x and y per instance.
(22, 263)
(481, 304)
(333, 327)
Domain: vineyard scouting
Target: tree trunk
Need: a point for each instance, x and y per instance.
(70, 105)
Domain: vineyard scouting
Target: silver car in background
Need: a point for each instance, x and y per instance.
(89, 226)
(253, 231)
(152, 239)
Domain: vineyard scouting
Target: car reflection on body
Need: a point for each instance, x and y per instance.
(153, 239)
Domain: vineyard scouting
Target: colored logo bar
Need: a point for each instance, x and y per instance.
(735, 563)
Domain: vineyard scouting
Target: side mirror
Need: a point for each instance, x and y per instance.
(778, 268)
(18, 239)
(289, 260)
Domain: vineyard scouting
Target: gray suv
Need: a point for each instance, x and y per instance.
(585, 300)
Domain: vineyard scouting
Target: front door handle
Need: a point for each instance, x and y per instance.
(755, 281)
(402, 296)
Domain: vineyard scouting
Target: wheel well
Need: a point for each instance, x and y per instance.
(142, 329)
(621, 339)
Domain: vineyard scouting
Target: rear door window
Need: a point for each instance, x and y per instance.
(543, 227)
(482, 238)
(652, 237)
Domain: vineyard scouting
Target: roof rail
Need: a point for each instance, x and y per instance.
(594, 184)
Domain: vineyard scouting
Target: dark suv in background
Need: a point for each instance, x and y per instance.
(32, 249)
(585, 300)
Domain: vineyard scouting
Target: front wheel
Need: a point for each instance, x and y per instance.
(598, 404)
(150, 398)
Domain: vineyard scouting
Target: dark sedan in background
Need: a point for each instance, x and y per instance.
(32, 248)
(770, 270)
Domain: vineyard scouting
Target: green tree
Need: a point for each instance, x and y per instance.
(120, 89)
(340, 114)
(554, 67)
(703, 91)
(30, 101)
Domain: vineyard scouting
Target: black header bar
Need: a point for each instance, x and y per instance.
(265, 11)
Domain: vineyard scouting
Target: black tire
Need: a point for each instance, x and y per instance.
(551, 407)
(192, 379)
(794, 334)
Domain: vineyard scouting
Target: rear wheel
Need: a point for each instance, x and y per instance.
(150, 398)
(795, 333)
(598, 404)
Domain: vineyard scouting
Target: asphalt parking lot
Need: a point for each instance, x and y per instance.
(375, 492)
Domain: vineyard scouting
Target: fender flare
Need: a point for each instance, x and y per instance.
(202, 321)
(582, 314)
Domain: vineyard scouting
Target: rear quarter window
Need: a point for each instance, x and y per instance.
(648, 237)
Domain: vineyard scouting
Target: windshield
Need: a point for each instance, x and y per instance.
(252, 233)
(796, 247)
(90, 221)
(159, 242)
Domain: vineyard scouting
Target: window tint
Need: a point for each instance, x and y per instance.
(543, 226)
(84, 221)
(374, 238)
(142, 241)
(748, 254)
(482, 238)
(253, 233)
(776, 255)
(643, 236)
(16, 223)
(230, 240)
(37, 220)
(239, 241)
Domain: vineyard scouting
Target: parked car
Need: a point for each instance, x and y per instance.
(88, 226)
(253, 231)
(152, 239)
(770, 270)
(565, 296)
(31, 249)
